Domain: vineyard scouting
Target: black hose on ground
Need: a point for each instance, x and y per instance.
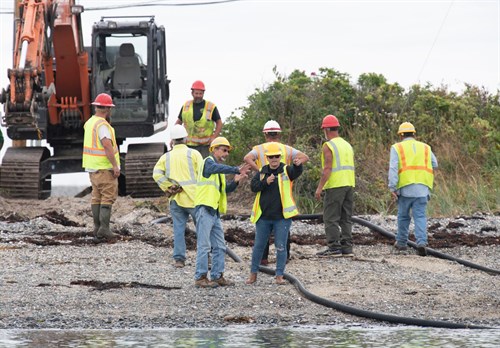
(356, 311)
(349, 309)
(392, 236)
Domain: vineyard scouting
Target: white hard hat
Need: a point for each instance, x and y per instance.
(271, 126)
(178, 132)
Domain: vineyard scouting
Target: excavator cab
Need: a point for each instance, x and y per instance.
(128, 61)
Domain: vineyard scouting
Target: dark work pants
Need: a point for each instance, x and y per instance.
(337, 212)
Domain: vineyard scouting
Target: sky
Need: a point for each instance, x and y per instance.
(232, 47)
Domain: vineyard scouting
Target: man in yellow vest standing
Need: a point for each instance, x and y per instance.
(337, 181)
(411, 177)
(256, 158)
(176, 173)
(101, 158)
(210, 202)
(201, 119)
(273, 209)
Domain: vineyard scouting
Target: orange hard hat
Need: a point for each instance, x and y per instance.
(103, 99)
(198, 85)
(330, 121)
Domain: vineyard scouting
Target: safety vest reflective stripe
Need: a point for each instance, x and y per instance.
(337, 162)
(199, 132)
(211, 191)
(190, 168)
(342, 171)
(210, 183)
(285, 186)
(404, 166)
(95, 150)
(94, 154)
(415, 163)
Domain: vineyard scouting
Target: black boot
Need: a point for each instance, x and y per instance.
(104, 216)
(96, 208)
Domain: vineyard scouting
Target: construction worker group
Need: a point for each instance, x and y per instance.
(193, 176)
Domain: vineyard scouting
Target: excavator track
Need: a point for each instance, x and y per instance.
(139, 163)
(20, 173)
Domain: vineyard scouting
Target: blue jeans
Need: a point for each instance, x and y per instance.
(209, 238)
(418, 206)
(263, 230)
(180, 215)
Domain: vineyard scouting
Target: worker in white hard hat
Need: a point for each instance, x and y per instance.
(176, 173)
(210, 202)
(201, 119)
(411, 177)
(257, 159)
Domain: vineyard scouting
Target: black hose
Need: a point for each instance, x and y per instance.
(353, 310)
(356, 311)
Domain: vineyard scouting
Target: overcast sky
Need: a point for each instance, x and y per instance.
(233, 47)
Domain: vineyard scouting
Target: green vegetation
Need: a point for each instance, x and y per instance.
(462, 129)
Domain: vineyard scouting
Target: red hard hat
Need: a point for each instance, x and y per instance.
(103, 99)
(330, 121)
(198, 85)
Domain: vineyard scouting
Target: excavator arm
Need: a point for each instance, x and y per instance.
(49, 81)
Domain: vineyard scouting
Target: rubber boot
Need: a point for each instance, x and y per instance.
(104, 216)
(96, 208)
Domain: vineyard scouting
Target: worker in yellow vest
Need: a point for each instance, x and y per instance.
(210, 202)
(337, 181)
(101, 159)
(201, 119)
(411, 178)
(176, 173)
(273, 209)
(256, 158)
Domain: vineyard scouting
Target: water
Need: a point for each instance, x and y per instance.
(237, 336)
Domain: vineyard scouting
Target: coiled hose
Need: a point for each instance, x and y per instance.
(361, 312)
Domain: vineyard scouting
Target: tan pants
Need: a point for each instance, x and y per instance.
(104, 187)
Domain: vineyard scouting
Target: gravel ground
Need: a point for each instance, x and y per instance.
(44, 286)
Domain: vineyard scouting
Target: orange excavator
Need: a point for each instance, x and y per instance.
(55, 78)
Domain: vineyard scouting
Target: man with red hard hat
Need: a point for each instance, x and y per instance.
(201, 119)
(337, 181)
(101, 159)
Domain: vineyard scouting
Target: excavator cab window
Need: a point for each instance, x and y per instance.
(121, 72)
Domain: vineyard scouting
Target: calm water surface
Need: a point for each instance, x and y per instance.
(254, 337)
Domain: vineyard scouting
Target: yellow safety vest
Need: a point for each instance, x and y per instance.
(94, 156)
(199, 132)
(211, 191)
(285, 186)
(415, 163)
(181, 167)
(261, 161)
(342, 163)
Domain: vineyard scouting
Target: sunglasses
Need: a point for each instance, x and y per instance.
(274, 156)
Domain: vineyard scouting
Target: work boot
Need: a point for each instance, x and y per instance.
(203, 282)
(252, 279)
(280, 280)
(104, 216)
(179, 264)
(96, 208)
(221, 281)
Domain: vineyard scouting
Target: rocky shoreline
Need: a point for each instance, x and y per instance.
(55, 276)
